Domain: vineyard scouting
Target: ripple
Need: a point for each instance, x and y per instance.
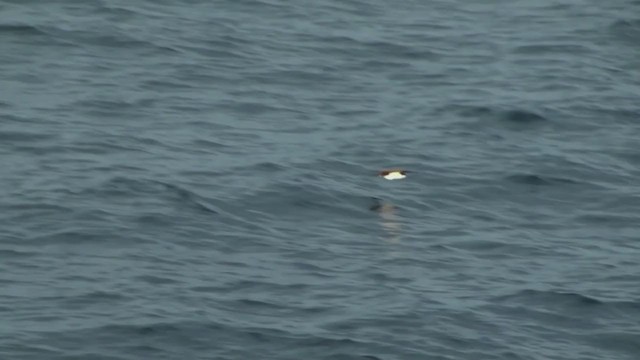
(75, 237)
(21, 136)
(21, 30)
(538, 180)
(626, 29)
(351, 357)
(295, 198)
(551, 298)
(507, 116)
(535, 49)
(198, 181)
(17, 254)
(128, 187)
(522, 117)
(156, 338)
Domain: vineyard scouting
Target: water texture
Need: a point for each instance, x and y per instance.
(187, 179)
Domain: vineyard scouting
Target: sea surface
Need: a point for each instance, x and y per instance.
(190, 179)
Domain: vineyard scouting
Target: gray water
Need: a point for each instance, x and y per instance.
(189, 179)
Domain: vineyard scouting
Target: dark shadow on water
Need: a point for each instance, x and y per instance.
(513, 119)
(626, 30)
(538, 180)
(521, 117)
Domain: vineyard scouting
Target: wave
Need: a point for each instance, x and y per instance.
(130, 187)
(24, 136)
(550, 298)
(22, 30)
(538, 49)
(476, 118)
(539, 180)
(151, 339)
(627, 30)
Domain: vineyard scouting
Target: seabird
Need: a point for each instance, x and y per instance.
(393, 174)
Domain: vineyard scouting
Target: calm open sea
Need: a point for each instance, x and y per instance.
(190, 179)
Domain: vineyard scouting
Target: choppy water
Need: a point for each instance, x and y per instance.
(196, 179)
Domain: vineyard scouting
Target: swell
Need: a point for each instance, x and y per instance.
(112, 39)
(21, 30)
(505, 116)
(163, 204)
(574, 305)
(298, 199)
(626, 30)
(577, 318)
(540, 180)
(10, 137)
(155, 338)
(551, 298)
(124, 187)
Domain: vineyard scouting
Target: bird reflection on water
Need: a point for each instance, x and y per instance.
(388, 219)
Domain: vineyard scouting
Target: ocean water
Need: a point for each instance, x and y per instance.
(187, 179)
